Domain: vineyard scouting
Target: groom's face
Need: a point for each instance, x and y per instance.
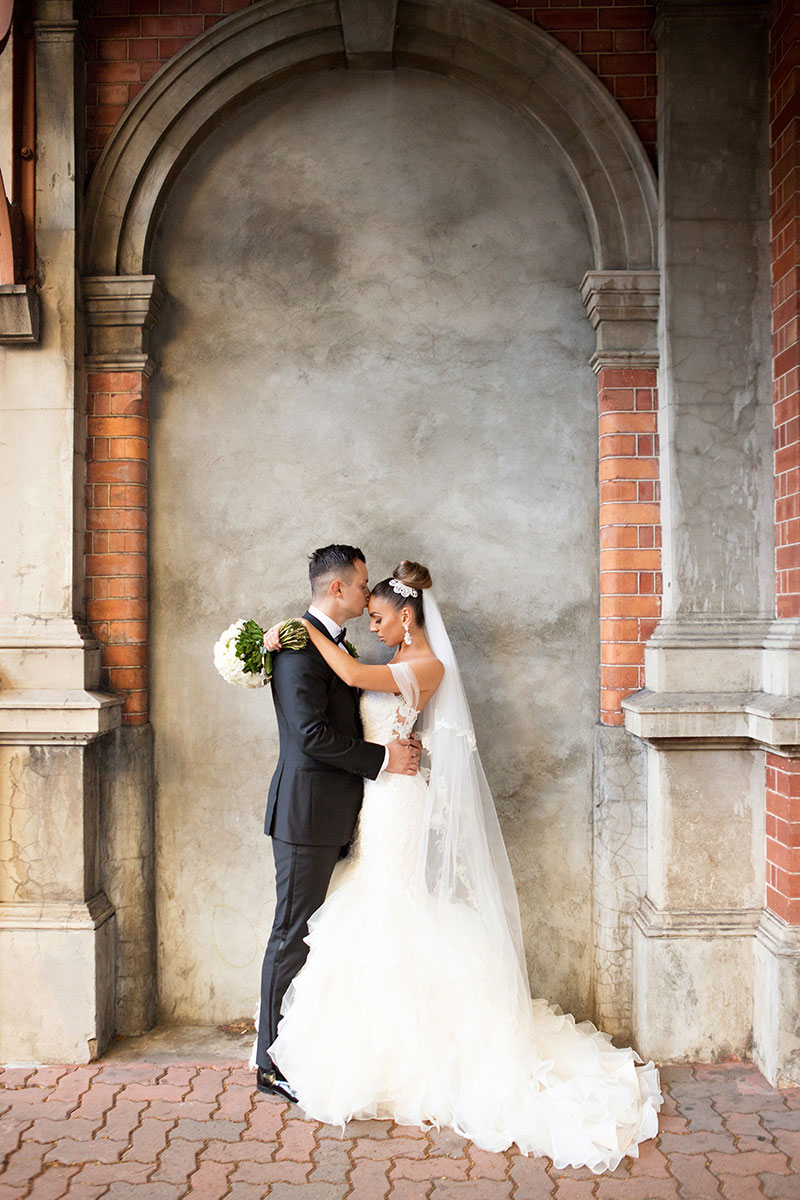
(355, 594)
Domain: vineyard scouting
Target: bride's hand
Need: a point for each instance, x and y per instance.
(271, 639)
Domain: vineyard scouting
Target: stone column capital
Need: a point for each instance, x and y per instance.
(703, 12)
(622, 307)
(368, 28)
(120, 311)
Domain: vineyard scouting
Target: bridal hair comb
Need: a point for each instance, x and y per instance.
(403, 589)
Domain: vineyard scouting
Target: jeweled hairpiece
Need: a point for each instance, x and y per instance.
(403, 589)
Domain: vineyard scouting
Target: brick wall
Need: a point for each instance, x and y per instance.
(783, 837)
(785, 235)
(630, 531)
(116, 533)
(128, 40)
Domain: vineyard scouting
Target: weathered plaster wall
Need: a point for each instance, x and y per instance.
(373, 333)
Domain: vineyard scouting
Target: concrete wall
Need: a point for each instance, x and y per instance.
(373, 333)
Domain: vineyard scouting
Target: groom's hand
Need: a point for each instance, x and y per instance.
(403, 757)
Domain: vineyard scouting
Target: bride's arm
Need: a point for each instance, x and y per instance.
(368, 677)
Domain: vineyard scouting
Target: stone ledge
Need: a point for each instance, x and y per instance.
(19, 315)
(756, 717)
(702, 923)
(780, 938)
(56, 914)
(36, 717)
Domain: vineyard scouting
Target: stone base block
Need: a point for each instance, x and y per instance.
(57, 983)
(776, 1001)
(693, 984)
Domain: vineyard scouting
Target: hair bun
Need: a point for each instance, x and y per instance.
(413, 574)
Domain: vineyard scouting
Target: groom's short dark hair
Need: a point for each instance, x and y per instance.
(330, 562)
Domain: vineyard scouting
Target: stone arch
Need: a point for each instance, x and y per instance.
(474, 40)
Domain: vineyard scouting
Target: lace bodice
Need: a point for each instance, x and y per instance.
(386, 717)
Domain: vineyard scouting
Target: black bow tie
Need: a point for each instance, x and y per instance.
(340, 637)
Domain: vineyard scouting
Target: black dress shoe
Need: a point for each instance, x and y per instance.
(269, 1083)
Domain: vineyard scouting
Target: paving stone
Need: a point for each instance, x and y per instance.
(93, 1174)
(96, 1100)
(390, 1148)
(96, 1150)
(369, 1180)
(701, 1115)
(234, 1152)
(190, 1110)
(46, 1130)
(148, 1140)
(696, 1143)
(410, 1189)
(774, 1120)
(203, 1131)
(7, 1192)
(207, 1084)
(371, 1129)
(271, 1172)
(531, 1178)
(486, 1165)
(676, 1073)
(751, 1162)
(748, 1187)
(177, 1162)
(210, 1181)
(651, 1162)
(307, 1191)
(53, 1182)
(778, 1187)
(132, 1074)
(435, 1166)
(49, 1076)
(121, 1120)
(473, 1189)
(573, 1189)
(247, 1191)
(24, 1164)
(141, 1191)
(71, 1087)
(637, 1189)
(15, 1077)
(11, 1131)
(447, 1141)
(695, 1180)
(265, 1120)
(401, 1131)
(146, 1093)
(297, 1140)
(332, 1161)
(233, 1105)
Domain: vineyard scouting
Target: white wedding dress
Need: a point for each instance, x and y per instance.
(406, 1008)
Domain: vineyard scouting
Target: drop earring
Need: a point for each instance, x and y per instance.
(407, 636)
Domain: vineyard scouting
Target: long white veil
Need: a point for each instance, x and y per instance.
(462, 855)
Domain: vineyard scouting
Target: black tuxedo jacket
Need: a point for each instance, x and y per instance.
(315, 793)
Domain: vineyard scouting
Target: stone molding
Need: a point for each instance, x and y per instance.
(713, 718)
(776, 935)
(39, 717)
(701, 923)
(19, 315)
(120, 311)
(368, 28)
(622, 307)
(274, 40)
(693, 12)
(56, 914)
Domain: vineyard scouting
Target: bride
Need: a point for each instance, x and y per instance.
(414, 1002)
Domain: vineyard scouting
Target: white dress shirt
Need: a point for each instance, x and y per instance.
(334, 630)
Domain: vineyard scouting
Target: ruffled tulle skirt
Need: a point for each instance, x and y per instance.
(404, 1011)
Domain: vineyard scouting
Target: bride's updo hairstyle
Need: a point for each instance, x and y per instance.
(413, 575)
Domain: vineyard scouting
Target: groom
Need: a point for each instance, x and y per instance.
(315, 793)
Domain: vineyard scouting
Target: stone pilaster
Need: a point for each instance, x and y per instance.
(119, 313)
(711, 666)
(56, 924)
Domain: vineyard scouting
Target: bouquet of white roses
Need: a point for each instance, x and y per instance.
(241, 657)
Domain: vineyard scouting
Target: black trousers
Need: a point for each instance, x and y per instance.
(302, 875)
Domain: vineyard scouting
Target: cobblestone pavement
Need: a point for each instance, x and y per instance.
(132, 1131)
